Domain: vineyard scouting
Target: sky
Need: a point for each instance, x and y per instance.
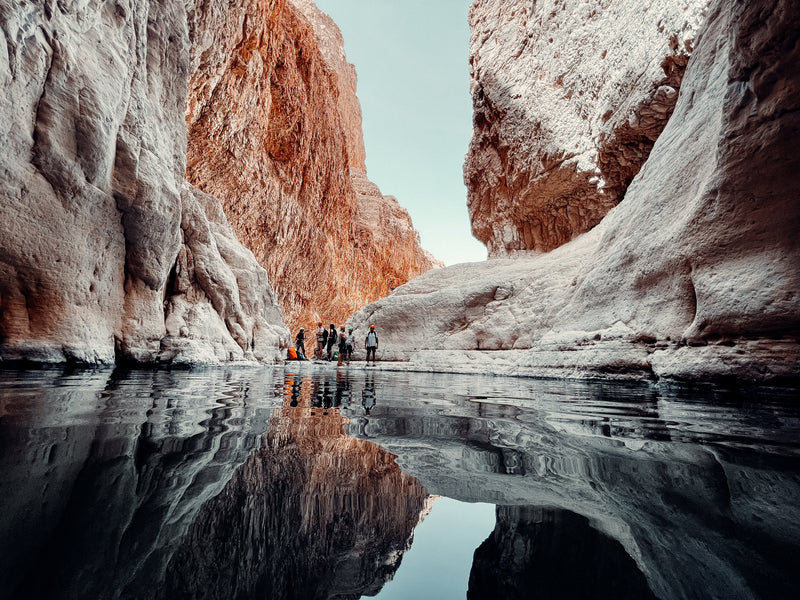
(412, 61)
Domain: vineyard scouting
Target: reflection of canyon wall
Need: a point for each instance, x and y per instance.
(96, 221)
(556, 553)
(694, 506)
(105, 472)
(693, 275)
(313, 514)
(274, 131)
(156, 484)
(568, 103)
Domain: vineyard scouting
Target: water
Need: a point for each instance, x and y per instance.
(263, 483)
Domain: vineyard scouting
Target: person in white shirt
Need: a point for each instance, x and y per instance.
(371, 344)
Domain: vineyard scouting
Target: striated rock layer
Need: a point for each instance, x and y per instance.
(275, 132)
(105, 253)
(569, 99)
(694, 275)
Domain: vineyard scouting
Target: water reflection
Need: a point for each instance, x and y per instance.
(218, 484)
(310, 484)
(313, 513)
(678, 496)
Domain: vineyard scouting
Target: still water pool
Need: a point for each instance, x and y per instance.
(277, 483)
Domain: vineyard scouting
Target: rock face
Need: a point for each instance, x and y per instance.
(274, 131)
(569, 99)
(105, 253)
(694, 275)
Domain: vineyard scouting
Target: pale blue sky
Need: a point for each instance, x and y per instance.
(412, 60)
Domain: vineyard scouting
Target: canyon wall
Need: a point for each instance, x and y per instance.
(692, 276)
(568, 99)
(105, 252)
(274, 131)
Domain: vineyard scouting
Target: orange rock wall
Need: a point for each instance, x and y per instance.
(266, 136)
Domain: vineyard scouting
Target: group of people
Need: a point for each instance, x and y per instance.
(346, 340)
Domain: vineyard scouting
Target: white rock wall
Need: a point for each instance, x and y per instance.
(569, 98)
(94, 155)
(694, 275)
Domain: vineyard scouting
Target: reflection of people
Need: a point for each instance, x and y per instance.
(371, 344)
(327, 394)
(296, 386)
(368, 395)
(299, 342)
(316, 396)
(342, 396)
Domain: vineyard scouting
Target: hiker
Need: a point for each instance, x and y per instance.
(371, 344)
(342, 344)
(322, 339)
(300, 342)
(331, 340)
(351, 342)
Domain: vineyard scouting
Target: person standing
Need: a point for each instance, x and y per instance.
(322, 338)
(351, 342)
(342, 345)
(300, 342)
(371, 344)
(331, 340)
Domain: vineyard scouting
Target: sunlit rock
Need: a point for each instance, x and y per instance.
(569, 98)
(274, 131)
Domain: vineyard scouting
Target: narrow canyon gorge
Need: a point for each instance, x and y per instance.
(182, 182)
(185, 183)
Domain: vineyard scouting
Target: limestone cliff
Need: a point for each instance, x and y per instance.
(274, 131)
(105, 253)
(569, 99)
(693, 275)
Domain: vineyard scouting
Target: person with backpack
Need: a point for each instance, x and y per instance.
(299, 342)
(331, 340)
(342, 344)
(371, 344)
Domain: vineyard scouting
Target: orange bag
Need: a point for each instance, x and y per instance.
(292, 354)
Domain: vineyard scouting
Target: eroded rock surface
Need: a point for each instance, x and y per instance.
(93, 210)
(274, 131)
(569, 99)
(694, 275)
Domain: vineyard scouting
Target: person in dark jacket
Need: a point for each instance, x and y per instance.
(300, 342)
(342, 344)
(331, 340)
